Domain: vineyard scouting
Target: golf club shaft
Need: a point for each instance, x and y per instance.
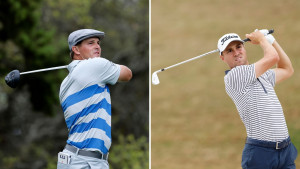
(197, 57)
(42, 70)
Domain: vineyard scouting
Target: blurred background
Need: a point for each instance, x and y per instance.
(33, 35)
(194, 124)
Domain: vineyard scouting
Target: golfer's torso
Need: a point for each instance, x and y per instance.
(260, 109)
(87, 110)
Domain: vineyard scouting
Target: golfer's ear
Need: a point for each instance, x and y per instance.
(75, 50)
(222, 57)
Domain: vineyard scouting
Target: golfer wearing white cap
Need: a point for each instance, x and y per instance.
(85, 100)
(250, 86)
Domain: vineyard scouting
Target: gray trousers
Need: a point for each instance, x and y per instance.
(83, 162)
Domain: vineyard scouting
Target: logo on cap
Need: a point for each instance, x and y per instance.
(227, 38)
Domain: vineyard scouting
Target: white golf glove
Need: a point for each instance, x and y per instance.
(269, 37)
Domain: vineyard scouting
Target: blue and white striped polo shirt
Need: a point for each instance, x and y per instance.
(85, 100)
(257, 103)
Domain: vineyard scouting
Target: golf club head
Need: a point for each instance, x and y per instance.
(155, 79)
(12, 78)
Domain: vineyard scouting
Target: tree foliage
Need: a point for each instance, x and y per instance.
(33, 35)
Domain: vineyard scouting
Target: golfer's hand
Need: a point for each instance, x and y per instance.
(269, 37)
(256, 37)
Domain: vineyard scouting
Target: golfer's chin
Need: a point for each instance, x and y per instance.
(96, 56)
(239, 64)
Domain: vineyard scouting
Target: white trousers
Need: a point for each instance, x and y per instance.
(83, 162)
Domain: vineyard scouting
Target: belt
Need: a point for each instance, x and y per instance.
(94, 154)
(276, 145)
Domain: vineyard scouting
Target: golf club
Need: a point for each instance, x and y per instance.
(12, 78)
(155, 79)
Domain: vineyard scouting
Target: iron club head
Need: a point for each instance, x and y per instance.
(155, 79)
(12, 78)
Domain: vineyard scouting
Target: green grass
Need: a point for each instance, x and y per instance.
(194, 124)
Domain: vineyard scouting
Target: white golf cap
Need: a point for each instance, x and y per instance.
(225, 40)
(82, 34)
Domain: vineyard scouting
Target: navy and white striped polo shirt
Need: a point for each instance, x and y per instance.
(257, 103)
(85, 100)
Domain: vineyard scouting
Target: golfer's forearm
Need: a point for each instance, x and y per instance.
(269, 52)
(284, 61)
(269, 60)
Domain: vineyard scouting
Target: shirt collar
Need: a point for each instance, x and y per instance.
(73, 64)
(226, 71)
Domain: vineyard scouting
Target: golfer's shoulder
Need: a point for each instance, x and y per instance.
(97, 60)
(95, 63)
(239, 73)
(241, 70)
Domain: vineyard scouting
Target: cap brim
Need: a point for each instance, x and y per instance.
(98, 35)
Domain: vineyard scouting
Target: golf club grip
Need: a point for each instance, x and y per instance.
(270, 32)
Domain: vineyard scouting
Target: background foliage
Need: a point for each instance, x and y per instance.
(33, 35)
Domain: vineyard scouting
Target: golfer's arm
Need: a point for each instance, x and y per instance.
(284, 68)
(270, 58)
(125, 74)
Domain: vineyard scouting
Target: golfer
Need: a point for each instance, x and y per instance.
(251, 87)
(85, 100)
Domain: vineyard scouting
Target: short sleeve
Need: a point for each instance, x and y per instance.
(270, 74)
(103, 71)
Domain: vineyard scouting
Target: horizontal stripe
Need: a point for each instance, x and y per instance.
(257, 103)
(85, 100)
(93, 133)
(94, 124)
(82, 95)
(91, 144)
(101, 113)
(103, 104)
(75, 108)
